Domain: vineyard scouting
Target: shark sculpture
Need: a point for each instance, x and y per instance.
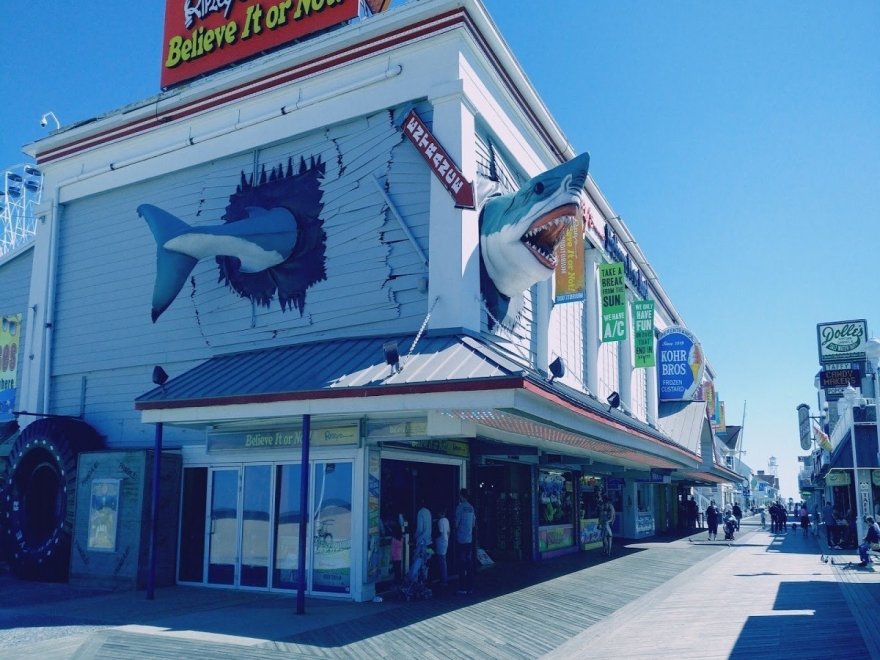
(519, 233)
(272, 241)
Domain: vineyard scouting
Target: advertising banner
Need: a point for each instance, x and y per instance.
(711, 401)
(842, 341)
(10, 332)
(570, 264)
(203, 36)
(643, 333)
(681, 365)
(613, 291)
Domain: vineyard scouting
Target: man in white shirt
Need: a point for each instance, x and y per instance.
(441, 544)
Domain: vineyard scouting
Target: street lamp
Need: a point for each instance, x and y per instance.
(850, 397)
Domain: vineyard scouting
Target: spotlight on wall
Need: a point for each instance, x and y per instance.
(159, 376)
(392, 355)
(613, 401)
(557, 369)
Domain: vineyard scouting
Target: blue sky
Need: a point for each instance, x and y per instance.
(739, 141)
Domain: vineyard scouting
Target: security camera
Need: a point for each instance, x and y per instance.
(43, 121)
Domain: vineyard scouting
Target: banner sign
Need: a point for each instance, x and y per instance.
(438, 160)
(570, 264)
(838, 478)
(643, 333)
(10, 332)
(613, 288)
(681, 365)
(205, 35)
(842, 341)
(711, 402)
(282, 439)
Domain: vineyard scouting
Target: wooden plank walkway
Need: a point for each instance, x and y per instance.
(688, 599)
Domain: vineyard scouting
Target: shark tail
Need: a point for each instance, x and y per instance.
(172, 268)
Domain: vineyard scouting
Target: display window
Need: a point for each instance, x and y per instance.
(556, 510)
(590, 536)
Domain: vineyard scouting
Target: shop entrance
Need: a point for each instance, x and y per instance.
(504, 510)
(405, 484)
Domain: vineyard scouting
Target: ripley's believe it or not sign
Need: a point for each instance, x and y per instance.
(204, 35)
(680, 365)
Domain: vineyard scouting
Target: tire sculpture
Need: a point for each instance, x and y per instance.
(41, 496)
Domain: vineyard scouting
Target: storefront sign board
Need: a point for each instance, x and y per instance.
(202, 36)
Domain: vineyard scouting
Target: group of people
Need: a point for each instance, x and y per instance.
(465, 524)
(731, 519)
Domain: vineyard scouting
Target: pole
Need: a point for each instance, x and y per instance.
(304, 517)
(850, 396)
(154, 510)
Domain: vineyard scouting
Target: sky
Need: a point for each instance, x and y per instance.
(738, 141)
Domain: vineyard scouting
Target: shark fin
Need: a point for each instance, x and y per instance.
(172, 268)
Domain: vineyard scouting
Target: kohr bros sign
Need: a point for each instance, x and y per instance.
(680, 365)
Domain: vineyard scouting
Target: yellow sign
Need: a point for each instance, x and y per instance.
(283, 439)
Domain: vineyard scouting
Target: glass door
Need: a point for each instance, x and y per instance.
(255, 528)
(223, 515)
(331, 528)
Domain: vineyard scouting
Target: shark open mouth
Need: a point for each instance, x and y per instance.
(546, 232)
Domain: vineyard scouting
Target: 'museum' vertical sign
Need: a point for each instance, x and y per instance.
(570, 264)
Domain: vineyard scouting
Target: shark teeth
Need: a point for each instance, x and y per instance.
(546, 232)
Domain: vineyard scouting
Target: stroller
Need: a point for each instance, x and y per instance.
(415, 583)
(729, 526)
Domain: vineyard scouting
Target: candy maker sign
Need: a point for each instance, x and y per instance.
(203, 35)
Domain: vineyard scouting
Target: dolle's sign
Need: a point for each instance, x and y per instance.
(842, 340)
(203, 35)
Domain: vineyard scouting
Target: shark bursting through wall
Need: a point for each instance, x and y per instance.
(519, 233)
(271, 243)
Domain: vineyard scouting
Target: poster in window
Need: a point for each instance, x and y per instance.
(103, 514)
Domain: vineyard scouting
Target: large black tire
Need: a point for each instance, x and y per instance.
(42, 496)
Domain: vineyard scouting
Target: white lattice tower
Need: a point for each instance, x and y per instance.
(22, 190)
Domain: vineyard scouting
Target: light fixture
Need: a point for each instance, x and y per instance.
(613, 401)
(392, 355)
(159, 376)
(44, 120)
(557, 369)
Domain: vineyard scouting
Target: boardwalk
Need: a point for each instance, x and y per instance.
(763, 597)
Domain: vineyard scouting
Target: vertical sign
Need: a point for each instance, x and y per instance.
(10, 331)
(643, 333)
(570, 264)
(374, 475)
(613, 287)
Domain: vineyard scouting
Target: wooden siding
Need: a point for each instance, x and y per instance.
(107, 262)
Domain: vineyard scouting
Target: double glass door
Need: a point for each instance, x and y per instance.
(244, 521)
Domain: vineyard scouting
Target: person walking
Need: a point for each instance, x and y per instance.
(805, 519)
(693, 512)
(712, 515)
(830, 524)
(441, 545)
(465, 522)
(872, 537)
(738, 514)
(606, 519)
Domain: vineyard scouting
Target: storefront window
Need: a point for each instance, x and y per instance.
(555, 510)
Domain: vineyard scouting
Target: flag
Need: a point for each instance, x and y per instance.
(822, 438)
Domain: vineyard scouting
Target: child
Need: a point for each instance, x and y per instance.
(397, 554)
